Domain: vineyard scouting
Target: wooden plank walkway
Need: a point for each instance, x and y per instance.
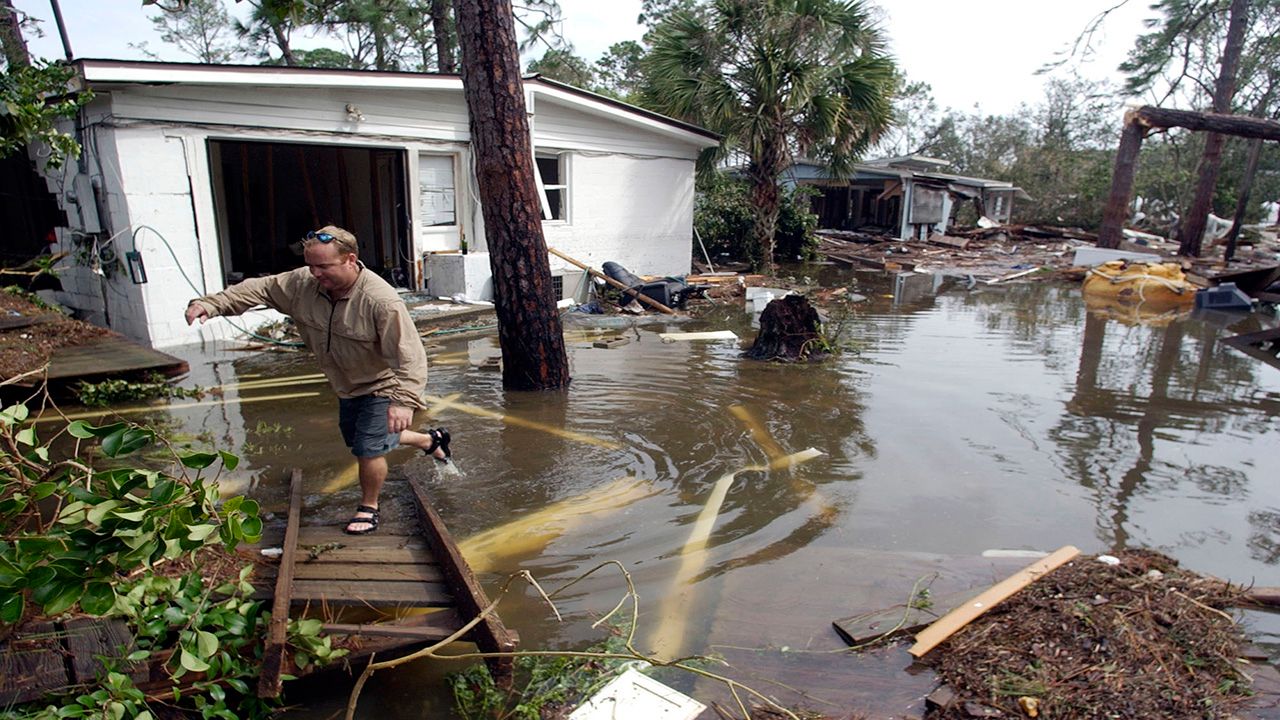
(111, 355)
(413, 568)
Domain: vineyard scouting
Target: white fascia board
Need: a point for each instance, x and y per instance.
(621, 114)
(95, 72)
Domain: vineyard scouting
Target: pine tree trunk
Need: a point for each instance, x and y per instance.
(1192, 226)
(529, 329)
(1117, 209)
(1242, 203)
(282, 40)
(444, 36)
(15, 48)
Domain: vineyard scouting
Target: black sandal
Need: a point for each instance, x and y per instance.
(371, 521)
(439, 439)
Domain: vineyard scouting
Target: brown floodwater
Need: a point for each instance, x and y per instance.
(962, 418)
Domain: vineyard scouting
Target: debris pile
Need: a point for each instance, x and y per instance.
(998, 251)
(30, 334)
(1140, 638)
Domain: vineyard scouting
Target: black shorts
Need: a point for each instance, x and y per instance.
(363, 422)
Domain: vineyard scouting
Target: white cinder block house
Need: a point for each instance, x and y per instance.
(195, 176)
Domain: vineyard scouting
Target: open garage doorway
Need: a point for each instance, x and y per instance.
(269, 194)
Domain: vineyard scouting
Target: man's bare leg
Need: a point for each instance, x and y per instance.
(422, 441)
(373, 473)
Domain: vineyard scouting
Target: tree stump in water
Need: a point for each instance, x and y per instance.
(790, 330)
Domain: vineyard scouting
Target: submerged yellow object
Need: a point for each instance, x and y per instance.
(1157, 285)
(668, 639)
(439, 403)
(347, 477)
(758, 432)
(51, 417)
(531, 533)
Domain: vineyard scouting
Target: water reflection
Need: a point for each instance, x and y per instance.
(968, 417)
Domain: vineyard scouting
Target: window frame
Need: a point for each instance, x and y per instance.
(420, 220)
(562, 187)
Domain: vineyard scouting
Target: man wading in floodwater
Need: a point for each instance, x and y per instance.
(366, 344)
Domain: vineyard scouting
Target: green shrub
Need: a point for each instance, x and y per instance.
(78, 537)
(723, 217)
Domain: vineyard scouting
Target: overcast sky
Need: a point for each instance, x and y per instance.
(982, 52)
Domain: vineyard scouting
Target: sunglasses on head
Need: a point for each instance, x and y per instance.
(323, 237)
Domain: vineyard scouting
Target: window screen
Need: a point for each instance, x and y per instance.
(436, 190)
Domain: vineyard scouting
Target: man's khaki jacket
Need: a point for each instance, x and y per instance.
(366, 343)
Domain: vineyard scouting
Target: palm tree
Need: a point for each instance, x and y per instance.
(776, 78)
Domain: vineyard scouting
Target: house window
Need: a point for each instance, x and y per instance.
(557, 286)
(436, 197)
(554, 178)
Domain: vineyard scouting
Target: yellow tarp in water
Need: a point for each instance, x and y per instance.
(1155, 285)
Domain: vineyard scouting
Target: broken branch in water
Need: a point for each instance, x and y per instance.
(631, 654)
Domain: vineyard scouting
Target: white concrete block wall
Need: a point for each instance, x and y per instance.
(634, 211)
(154, 167)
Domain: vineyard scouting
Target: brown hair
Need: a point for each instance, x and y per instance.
(345, 240)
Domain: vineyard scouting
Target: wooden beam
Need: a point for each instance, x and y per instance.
(429, 628)
(270, 682)
(490, 634)
(634, 293)
(949, 624)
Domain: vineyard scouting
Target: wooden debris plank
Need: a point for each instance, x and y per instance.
(953, 621)
(311, 535)
(17, 322)
(1254, 338)
(90, 639)
(896, 620)
(422, 572)
(31, 664)
(109, 355)
(1261, 597)
(610, 343)
(270, 681)
(596, 273)
(1013, 276)
(383, 593)
(1264, 701)
(433, 627)
(949, 241)
(490, 634)
(366, 555)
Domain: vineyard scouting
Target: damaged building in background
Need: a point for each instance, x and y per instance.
(907, 197)
(194, 177)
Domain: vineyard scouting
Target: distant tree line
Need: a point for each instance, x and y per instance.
(391, 35)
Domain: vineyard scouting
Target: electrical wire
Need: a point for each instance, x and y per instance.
(177, 263)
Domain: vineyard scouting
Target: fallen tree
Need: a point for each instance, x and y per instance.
(1138, 124)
